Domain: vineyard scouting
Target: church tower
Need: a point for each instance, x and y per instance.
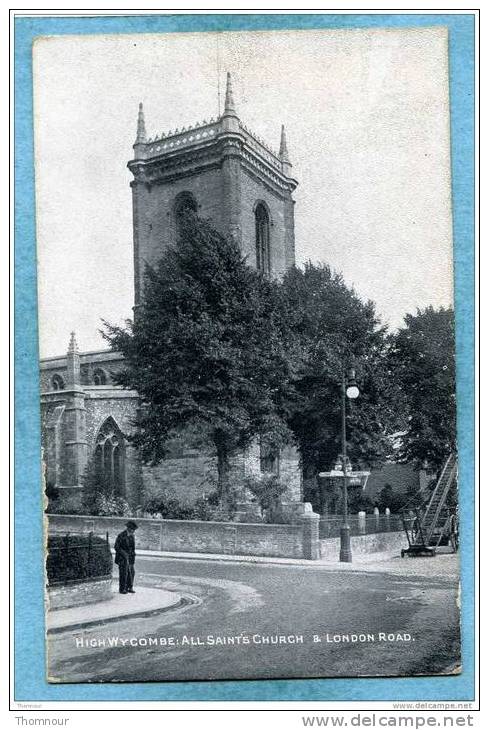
(224, 172)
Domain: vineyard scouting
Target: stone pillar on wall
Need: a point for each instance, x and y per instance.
(74, 420)
(310, 536)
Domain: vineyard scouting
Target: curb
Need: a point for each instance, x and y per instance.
(380, 557)
(181, 603)
(214, 557)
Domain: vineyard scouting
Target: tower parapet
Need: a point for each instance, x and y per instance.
(207, 136)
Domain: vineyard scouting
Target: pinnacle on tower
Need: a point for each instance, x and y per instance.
(72, 364)
(284, 153)
(229, 109)
(141, 133)
(73, 346)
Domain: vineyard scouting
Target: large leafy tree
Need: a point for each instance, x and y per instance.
(207, 350)
(336, 330)
(424, 359)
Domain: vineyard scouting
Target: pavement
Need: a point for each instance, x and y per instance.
(145, 602)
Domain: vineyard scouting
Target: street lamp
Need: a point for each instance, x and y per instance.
(349, 389)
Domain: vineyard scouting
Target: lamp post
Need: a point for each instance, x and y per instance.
(349, 389)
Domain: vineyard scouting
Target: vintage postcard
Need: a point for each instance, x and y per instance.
(247, 354)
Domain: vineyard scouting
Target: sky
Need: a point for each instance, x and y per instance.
(367, 121)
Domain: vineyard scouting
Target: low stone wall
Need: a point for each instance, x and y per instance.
(228, 538)
(392, 542)
(79, 593)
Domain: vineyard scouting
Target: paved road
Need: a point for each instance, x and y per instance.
(250, 621)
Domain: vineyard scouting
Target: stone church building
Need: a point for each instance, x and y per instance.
(225, 173)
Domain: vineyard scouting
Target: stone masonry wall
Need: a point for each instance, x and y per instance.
(392, 542)
(192, 473)
(80, 593)
(189, 471)
(187, 477)
(200, 537)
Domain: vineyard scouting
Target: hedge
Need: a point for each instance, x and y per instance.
(77, 557)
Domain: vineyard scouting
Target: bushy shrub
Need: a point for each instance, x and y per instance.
(359, 502)
(77, 557)
(111, 506)
(51, 492)
(168, 507)
(99, 497)
(65, 506)
(393, 500)
(204, 509)
(102, 505)
(267, 490)
(212, 498)
(220, 515)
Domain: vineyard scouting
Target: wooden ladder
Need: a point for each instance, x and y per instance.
(435, 517)
(436, 520)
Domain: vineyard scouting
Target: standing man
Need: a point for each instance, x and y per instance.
(125, 555)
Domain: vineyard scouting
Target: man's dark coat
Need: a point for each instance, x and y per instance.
(125, 548)
(125, 555)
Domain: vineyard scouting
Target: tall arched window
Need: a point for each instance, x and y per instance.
(57, 382)
(262, 233)
(99, 377)
(110, 456)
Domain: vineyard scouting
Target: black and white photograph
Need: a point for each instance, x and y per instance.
(247, 355)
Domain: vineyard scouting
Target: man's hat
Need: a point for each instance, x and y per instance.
(131, 525)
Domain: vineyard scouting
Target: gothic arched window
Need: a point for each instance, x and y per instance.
(262, 234)
(110, 456)
(99, 377)
(57, 382)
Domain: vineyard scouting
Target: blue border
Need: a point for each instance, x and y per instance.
(30, 684)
